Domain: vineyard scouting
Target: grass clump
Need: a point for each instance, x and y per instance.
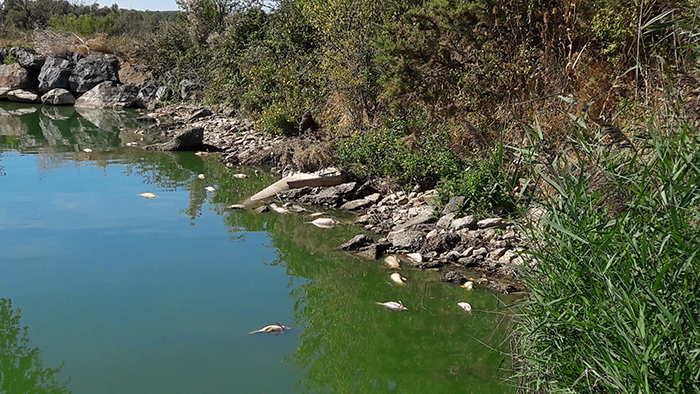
(616, 286)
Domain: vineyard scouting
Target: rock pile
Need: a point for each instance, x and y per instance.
(94, 81)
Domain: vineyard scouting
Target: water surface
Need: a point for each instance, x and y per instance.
(135, 295)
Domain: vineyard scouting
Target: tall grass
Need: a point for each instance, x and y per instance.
(615, 278)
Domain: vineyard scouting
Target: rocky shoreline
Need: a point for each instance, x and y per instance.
(405, 224)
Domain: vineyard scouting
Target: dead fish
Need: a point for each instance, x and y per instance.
(393, 305)
(240, 176)
(417, 257)
(316, 214)
(469, 285)
(278, 209)
(201, 176)
(87, 150)
(272, 328)
(210, 189)
(396, 277)
(148, 195)
(200, 153)
(325, 222)
(465, 306)
(393, 262)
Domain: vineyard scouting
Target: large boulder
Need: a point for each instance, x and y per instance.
(109, 95)
(92, 71)
(58, 97)
(13, 76)
(186, 140)
(23, 96)
(28, 58)
(55, 74)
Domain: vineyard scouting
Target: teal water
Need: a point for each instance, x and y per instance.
(134, 295)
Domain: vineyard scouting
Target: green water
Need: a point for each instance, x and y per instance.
(135, 295)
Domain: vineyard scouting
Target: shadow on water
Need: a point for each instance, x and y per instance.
(348, 342)
(21, 369)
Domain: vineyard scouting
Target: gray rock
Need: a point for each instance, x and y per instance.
(200, 113)
(453, 256)
(406, 240)
(187, 87)
(356, 204)
(491, 222)
(92, 71)
(109, 95)
(357, 242)
(441, 243)
(23, 96)
(372, 251)
(445, 220)
(425, 214)
(455, 204)
(55, 74)
(467, 222)
(331, 196)
(28, 58)
(3, 54)
(186, 140)
(453, 277)
(151, 94)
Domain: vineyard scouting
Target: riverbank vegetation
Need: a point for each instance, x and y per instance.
(587, 108)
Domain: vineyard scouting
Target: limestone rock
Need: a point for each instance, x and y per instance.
(467, 222)
(454, 205)
(23, 96)
(491, 222)
(109, 95)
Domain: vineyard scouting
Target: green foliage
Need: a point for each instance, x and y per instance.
(85, 25)
(21, 369)
(486, 182)
(396, 150)
(615, 278)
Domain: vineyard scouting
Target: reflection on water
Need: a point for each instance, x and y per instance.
(187, 294)
(21, 369)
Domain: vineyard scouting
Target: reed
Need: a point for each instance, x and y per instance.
(615, 276)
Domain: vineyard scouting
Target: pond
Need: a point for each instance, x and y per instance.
(132, 295)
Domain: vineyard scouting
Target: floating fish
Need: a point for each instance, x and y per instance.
(416, 257)
(272, 328)
(469, 285)
(240, 176)
(87, 150)
(210, 189)
(236, 206)
(316, 214)
(393, 305)
(393, 262)
(396, 277)
(200, 153)
(465, 306)
(278, 209)
(148, 195)
(201, 176)
(325, 222)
